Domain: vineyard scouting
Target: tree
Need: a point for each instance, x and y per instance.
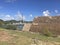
(1, 22)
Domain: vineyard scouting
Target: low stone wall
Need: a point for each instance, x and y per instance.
(26, 27)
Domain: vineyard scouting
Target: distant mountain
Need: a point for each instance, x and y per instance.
(13, 21)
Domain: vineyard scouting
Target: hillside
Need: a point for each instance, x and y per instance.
(14, 37)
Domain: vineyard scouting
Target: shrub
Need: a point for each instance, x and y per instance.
(13, 27)
(46, 32)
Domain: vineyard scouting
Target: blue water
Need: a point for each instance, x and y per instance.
(20, 26)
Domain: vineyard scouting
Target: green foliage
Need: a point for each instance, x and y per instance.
(46, 32)
(1, 23)
(13, 27)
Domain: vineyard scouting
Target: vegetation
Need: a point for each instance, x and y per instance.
(11, 27)
(1, 22)
(8, 24)
(14, 37)
(46, 32)
(12, 21)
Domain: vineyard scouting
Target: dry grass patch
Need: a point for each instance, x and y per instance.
(4, 36)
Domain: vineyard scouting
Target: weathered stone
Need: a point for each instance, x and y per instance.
(45, 23)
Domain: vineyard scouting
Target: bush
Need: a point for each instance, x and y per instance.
(13, 27)
(46, 32)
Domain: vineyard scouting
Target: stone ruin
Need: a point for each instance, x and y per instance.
(45, 23)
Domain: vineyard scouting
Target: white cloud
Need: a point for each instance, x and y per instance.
(31, 15)
(46, 13)
(56, 11)
(20, 16)
(6, 17)
(8, 1)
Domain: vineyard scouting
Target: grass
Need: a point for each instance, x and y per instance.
(24, 38)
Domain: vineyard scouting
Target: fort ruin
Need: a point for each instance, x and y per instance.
(45, 23)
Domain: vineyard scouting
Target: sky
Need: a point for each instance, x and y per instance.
(14, 9)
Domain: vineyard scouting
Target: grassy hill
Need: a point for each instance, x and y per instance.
(14, 37)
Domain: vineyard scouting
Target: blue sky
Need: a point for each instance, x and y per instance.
(29, 8)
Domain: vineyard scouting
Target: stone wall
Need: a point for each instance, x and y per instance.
(45, 23)
(26, 27)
